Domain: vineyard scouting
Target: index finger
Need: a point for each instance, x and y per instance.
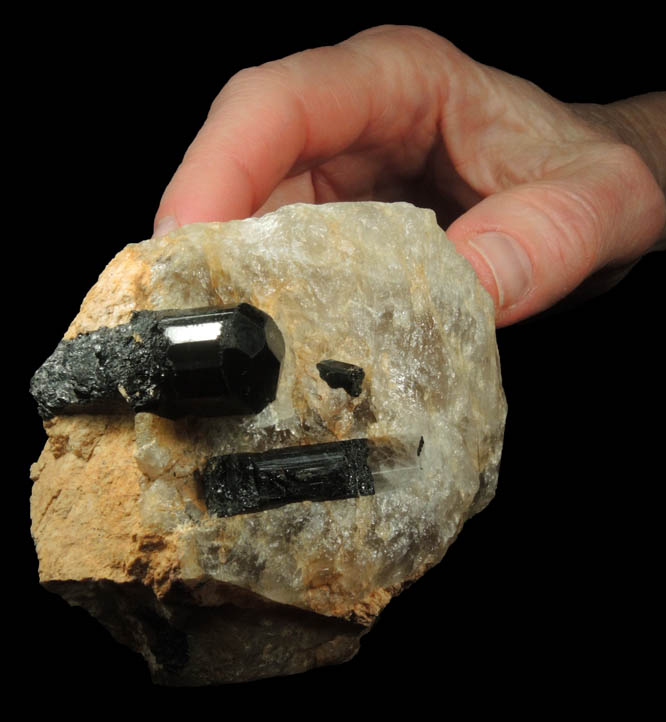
(282, 117)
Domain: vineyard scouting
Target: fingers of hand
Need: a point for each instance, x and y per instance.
(533, 244)
(285, 117)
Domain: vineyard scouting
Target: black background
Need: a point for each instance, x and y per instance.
(552, 589)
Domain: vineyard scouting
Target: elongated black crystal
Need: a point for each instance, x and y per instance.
(205, 361)
(340, 375)
(244, 483)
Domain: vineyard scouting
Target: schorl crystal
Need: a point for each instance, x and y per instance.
(340, 375)
(244, 483)
(205, 361)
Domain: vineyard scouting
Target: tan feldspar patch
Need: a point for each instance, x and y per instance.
(153, 561)
(87, 499)
(121, 288)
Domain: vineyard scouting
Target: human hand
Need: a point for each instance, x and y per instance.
(538, 195)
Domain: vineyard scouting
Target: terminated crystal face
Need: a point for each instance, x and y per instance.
(130, 513)
(224, 361)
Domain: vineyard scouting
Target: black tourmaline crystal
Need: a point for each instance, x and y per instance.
(340, 375)
(204, 361)
(244, 483)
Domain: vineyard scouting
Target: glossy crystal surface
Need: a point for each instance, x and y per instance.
(223, 362)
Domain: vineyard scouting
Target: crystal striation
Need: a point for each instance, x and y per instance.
(204, 361)
(243, 483)
(120, 515)
(341, 375)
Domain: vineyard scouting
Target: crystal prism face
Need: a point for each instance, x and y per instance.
(204, 362)
(341, 375)
(244, 483)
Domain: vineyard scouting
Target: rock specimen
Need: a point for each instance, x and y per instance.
(140, 518)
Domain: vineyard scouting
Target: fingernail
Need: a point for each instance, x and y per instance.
(509, 263)
(165, 225)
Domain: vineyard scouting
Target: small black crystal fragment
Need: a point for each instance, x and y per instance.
(420, 449)
(244, 483)
(340, 375)
(204, 361)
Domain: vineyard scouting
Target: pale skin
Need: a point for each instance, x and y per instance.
(541, 197)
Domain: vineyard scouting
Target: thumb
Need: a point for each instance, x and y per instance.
(533, 244)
